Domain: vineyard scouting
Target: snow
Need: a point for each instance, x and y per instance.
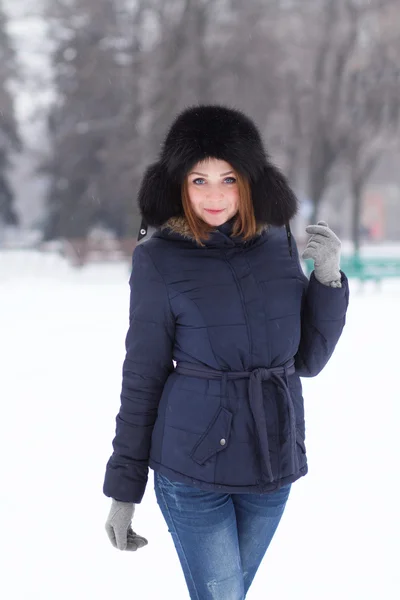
(61, 352)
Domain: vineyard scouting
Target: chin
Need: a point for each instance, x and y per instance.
(216, 220)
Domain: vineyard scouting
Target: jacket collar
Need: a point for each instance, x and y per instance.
(178, 228)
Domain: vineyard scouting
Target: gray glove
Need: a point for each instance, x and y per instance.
(324, 248)
(118, 527)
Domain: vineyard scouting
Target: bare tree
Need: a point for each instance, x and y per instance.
(327, 35)
(332, 91)
(87, 110)
(372, 104)
(177, 64)
(10, 140)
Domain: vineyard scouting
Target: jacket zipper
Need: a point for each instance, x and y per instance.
(243, 304)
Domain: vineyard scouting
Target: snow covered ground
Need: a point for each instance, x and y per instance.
(61, 352)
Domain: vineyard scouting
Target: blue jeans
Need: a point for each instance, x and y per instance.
(220, 538)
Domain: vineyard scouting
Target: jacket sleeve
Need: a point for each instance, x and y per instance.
(323, 317)
(147, 365)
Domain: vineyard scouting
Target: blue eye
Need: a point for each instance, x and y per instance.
(229, 180)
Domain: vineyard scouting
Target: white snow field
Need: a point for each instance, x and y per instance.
(61, 352)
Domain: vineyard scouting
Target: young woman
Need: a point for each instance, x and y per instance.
(219, 290)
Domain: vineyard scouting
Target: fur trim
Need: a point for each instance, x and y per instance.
(180, 225)
(213, 131)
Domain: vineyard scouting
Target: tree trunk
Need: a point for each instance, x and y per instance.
(356, 214)
(314, 214)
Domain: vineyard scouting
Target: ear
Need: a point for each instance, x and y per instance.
(273, 200)
(159, 198)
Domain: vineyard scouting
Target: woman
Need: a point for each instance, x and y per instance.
(219, 289)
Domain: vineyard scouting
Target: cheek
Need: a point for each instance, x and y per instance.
(234, 196)
(195, 196)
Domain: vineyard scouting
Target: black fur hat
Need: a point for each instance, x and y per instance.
(214, 131)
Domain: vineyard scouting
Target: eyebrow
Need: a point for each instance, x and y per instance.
(205, 175)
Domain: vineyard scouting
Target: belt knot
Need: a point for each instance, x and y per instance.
(261, 373)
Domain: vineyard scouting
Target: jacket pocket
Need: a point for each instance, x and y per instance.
(215, 438)
(300, 441)
(302, 445)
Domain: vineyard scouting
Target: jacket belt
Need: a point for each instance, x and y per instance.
(255, 377)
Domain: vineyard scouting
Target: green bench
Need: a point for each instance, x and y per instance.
(365, 268)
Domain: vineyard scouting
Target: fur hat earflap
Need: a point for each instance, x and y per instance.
(159, 196)
(214, 131)
(274, 201)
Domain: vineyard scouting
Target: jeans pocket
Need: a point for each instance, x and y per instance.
(215, 438)
(165, 482)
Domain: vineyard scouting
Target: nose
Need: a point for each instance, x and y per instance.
(217, 194)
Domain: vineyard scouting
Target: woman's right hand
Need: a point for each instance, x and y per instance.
(118, 527)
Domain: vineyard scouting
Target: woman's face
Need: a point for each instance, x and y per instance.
(213, 191)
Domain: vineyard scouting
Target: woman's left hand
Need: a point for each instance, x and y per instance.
(324, 247)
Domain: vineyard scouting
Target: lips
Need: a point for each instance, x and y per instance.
(214, 212)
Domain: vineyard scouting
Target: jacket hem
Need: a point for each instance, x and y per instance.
(259, 488)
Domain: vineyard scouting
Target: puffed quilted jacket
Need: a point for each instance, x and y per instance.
(219, 337)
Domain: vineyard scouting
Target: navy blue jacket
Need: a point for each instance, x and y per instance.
(242, 323)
